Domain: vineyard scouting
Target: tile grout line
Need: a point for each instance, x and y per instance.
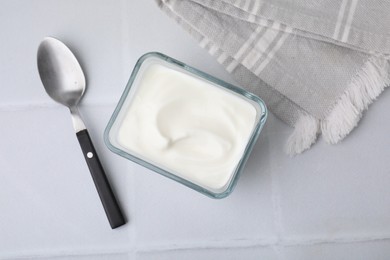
(125, 36)
(65, 253)
(236, 244)
(277, 211)
(28, 106)
(48, 105)
(125, 40)
(233, 244)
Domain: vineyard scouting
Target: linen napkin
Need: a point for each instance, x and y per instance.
(317, 64)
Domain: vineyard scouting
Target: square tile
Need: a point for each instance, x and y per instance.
(91, 29)
(339, 191)
(47, 197)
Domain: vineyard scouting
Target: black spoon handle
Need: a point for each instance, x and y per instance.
(110, 204)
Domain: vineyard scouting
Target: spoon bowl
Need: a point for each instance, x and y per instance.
(60, 72)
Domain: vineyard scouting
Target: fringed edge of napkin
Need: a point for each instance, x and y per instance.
(345, 115)
(305, 134)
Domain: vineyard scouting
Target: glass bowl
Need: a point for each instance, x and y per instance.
(113, 129)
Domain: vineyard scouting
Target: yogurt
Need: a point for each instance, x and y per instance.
(186, 125)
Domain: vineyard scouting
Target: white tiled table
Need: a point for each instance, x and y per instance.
(332, 202)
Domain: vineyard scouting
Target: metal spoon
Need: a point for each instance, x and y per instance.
(64, 82)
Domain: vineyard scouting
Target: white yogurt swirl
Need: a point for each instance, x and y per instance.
(187, 126)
